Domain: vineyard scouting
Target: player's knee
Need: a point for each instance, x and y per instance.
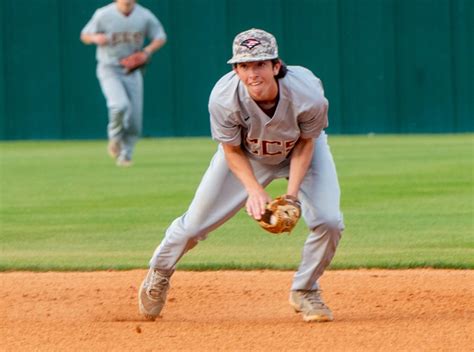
(119, 108)
(331, 217)
(188, 230)
(332, 224)
(134, 129)
(196, 236)
(335, 224)
(196, 230)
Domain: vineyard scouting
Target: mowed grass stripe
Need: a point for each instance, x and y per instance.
(408, 201)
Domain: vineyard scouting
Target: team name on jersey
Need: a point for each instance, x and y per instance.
(262, 147)
(127, 38)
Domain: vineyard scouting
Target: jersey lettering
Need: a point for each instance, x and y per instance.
(253, 145)
(271, 145)
(289, 146)
(127, 38)
(269, 148)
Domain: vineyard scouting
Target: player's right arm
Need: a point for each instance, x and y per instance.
(94, 38)
(226, 128)
(240, 166)
(93, 31)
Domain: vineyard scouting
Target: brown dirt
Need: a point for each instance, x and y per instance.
(406, 310)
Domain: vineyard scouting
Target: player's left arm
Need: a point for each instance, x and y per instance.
(301, 157)
(156, 33)
(240, 166)
(154, 45)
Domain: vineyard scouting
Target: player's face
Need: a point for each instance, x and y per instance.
(259, 79)
(125, 6)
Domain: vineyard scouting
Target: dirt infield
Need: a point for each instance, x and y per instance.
(407, 310)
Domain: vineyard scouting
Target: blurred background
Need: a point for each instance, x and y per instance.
(388, 66)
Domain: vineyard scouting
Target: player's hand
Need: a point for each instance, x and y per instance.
(256, 203)
(100, 39)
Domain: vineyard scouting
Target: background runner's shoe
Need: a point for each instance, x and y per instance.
(113, 148)
(123, 162)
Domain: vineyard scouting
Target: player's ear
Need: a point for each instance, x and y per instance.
(276, 67)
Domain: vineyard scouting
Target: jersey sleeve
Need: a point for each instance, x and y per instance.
(314, 116)
(312, 122)
(155, 29)
(93, 26)
(224, 125)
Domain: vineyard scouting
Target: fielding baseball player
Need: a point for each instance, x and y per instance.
(119, 30)
(269, 120)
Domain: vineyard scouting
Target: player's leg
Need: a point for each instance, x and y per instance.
(132, 123)
(320, 197)
(118, 105)
(219, 196)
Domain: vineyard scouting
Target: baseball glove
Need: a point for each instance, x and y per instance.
(134, 61)
(281, 215)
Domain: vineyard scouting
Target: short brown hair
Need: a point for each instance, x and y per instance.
(281, 73)
(283, 69)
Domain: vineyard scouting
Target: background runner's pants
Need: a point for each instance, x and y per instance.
(220, 195)
(124, 95)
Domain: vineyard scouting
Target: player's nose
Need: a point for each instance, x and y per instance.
(253, 72)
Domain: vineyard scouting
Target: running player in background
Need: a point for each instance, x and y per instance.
(119, 29)
(269, 120)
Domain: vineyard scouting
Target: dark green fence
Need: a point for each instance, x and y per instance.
(388, 66)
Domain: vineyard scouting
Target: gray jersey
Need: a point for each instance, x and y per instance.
(126, 34)
(237, 120)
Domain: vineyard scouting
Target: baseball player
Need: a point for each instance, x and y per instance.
(119, 29)
(269, 120)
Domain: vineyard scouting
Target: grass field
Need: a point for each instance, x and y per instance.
(408, 201)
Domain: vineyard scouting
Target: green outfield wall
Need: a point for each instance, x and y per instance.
(388, 66)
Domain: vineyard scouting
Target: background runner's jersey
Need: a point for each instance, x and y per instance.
(126, 34)
(237, 120)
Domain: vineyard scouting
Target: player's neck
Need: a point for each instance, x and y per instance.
(125, 10)
(269, 106)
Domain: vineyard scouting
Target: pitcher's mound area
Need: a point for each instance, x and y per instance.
(374, 310)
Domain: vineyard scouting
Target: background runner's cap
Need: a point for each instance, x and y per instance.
(253, 45)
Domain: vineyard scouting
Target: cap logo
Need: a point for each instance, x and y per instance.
(250, 43)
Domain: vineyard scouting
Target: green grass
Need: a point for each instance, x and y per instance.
(408, 201)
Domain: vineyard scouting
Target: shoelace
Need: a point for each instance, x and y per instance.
(158, 283)
(314, 298)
